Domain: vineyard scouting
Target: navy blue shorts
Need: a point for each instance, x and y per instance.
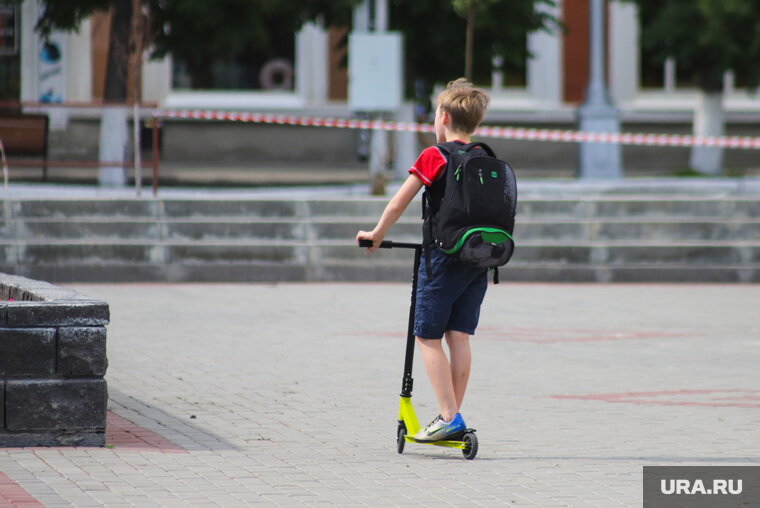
(450, 299)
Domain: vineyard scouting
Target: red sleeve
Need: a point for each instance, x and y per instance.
(429, 165)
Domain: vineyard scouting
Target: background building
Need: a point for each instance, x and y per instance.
(306, 77)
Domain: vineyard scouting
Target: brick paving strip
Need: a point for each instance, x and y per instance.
(13, 496)
(540, 335)
(121, 435)
(707, 398)
(126, 436)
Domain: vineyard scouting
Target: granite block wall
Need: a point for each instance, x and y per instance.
(52, 365)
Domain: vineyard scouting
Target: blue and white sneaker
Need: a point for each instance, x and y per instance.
(440, 430)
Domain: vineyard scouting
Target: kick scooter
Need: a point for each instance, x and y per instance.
(408, 426)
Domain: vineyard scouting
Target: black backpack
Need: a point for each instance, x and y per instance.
(469, 211)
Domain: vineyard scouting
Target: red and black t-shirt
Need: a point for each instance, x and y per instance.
(429, 165)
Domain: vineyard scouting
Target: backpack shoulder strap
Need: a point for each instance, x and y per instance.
(480, 144)
(432, 197)
(449, 146)
(449, 150)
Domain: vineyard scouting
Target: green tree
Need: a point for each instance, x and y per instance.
(706, 38)
(468, 9)
(67, 15)
(197, 31)
(201, 33)
(436, 37)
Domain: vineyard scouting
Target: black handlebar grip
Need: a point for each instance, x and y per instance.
(388, 244)
(385, 244)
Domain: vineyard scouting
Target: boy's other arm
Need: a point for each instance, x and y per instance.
(392, 212)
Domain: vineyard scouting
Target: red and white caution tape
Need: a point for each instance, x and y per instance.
(517, 133)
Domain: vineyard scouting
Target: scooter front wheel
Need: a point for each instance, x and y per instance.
(470, 445)
(400, 440)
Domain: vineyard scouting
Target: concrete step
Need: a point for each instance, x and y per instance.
(233, 228)
(576, 237)
(624, 229)
(399, 271)
(240, 228)
(78, 208)
(632, 207)
(638, 207)
(579, 252)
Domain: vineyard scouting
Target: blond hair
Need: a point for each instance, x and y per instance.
(465, 105)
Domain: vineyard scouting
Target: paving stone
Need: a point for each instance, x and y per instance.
(294, 387)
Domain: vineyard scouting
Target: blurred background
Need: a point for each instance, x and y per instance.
(683, 67)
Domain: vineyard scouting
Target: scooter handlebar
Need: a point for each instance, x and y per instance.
(387, 244)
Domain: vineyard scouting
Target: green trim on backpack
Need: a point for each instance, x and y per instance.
(490, 235)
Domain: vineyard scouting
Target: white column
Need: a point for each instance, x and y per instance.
(312, 63)
(544, 73)
(79, 63)
(708, 121)
(30, 52)
(406, 143)
(623, 54)
(114, 139)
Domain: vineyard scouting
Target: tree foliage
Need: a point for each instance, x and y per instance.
(66, 14)
(201, 33)
(435, 36)
(707, 37)
(468, 10)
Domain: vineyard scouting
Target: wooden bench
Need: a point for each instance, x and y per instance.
(27, 135)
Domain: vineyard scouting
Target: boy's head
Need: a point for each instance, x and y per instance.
(465, 105)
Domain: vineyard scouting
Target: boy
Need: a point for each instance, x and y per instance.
(448, 303)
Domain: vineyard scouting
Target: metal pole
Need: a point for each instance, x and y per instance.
(155, 154)
(378, 160)
(597, 114)
(596, 92)
(381, 15)
(137, 148)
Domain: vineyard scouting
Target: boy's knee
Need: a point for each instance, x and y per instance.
(456, 337)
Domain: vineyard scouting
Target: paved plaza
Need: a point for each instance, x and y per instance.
(287, 394)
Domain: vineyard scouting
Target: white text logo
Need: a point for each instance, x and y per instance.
(719, 487)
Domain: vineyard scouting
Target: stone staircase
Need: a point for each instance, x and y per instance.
(599, 237)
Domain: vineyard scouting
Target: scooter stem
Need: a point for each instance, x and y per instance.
(408, 382)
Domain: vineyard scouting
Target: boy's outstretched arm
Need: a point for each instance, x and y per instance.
(392, 212)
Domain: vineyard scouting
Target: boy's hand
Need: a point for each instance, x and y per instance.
(372, 236)
(392, 212)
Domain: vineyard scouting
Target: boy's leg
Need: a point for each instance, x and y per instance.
(461, 359)
(439, 372)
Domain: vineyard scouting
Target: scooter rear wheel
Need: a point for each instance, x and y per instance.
(470, 445)
(400, 441)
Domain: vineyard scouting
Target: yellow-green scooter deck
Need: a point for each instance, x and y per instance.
(461, 445)
(406, 415)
